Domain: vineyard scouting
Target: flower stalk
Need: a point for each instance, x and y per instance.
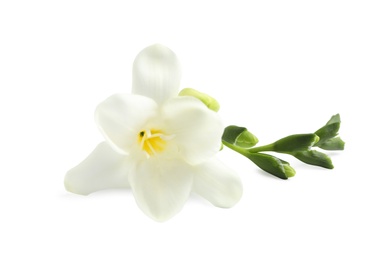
(300, 146)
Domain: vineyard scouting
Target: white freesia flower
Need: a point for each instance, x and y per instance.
(159, 144)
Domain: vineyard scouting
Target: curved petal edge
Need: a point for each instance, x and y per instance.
(161, 187)
(217, 183)
(102, 169)
(156, 73)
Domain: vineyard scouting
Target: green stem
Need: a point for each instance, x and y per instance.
(238, 149)
(244, 151)
(264, 148)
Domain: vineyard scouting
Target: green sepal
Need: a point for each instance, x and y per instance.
(314, 157)
(335, 143)
(296, 142)
(209, 101)
(239, 136)
(272, 165)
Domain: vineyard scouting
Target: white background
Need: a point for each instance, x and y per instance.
(277, 67)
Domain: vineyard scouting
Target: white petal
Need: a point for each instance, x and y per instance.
(121, 117)
(161, 187)
(197, 130)
(217, 183)
(102, 169)
(156, 73)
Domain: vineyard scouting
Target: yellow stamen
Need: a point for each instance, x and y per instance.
(151, 141)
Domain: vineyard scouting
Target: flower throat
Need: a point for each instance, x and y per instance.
(151, 141)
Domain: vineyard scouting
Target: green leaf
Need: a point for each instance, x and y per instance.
(330, 130)
(296, 142)
(239, 136)
(209, 101)
(272, 165)
(335, 143)
(314, 157)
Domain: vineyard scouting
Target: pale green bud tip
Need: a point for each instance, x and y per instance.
(209, 101)
(239, 136)
(289, 171)
(246, 139)
(316, 139)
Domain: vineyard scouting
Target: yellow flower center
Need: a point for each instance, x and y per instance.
(151, 141)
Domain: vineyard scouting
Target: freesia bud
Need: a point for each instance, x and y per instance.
(239, 136)
(272, 165)
(314, 157)
(246, 139)
(289, 171)
(330, 129)
(335, 143)
(209, 101)
(295, 143)
(328, 133)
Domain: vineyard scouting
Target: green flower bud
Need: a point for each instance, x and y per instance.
(209, 101)
(289, 171)
(328, 133)
(295, 143)
(335, 143)
(246, 139)
(331, 128)
(272, 165)
(314, 157)
(239, 136)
